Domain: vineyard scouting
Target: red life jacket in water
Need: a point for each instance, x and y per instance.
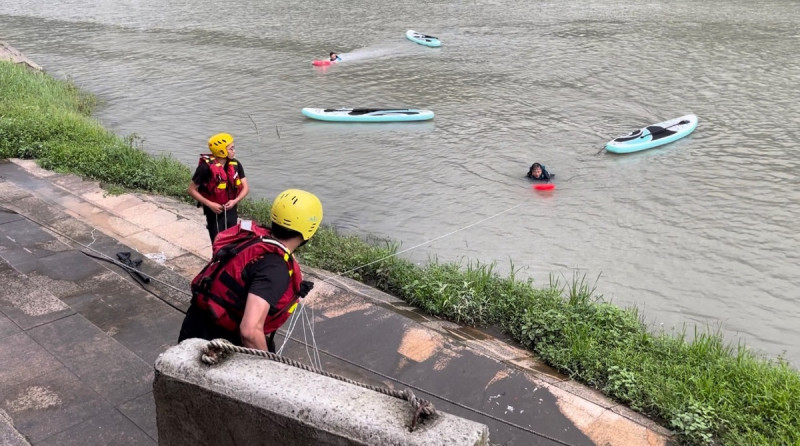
(219, 288)
(224, 183)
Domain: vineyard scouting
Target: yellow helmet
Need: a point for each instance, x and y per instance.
(297, 210)
(218, 144)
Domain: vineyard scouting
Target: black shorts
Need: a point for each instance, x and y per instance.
(200, 324)
(216, 223)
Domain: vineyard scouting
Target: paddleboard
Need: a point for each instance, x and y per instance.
(368, 114)
(653, 135)
(423, 39)
(322, 63)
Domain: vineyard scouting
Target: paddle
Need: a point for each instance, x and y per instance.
(651, 133)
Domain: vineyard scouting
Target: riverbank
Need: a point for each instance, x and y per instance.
(702, 388)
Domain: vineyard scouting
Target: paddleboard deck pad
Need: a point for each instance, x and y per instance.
(368, 114)
(423, 39)
(653, 135)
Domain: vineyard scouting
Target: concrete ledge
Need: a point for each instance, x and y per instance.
(9, 53)
(252, 400)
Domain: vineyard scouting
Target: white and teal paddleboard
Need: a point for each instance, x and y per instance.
(423, 39)
(368, 114)
(653, 135)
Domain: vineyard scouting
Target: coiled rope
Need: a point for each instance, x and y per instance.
(217, 350)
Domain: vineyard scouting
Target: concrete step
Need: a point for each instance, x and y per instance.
(151, 225)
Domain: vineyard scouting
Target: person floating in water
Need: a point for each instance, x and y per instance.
(537, 172)
(335, 57)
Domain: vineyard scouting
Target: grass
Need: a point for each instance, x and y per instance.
(707, 391)
(49, 120)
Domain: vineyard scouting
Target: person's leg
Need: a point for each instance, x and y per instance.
(211, 223)
(194, 325)
(200, 324)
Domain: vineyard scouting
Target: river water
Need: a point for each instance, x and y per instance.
(701, 232)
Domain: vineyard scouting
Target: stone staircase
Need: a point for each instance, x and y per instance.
(79, 334)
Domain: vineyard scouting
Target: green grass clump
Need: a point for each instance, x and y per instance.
(705, 390)
(49, 120)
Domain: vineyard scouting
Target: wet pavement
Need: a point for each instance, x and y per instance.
(81, 335)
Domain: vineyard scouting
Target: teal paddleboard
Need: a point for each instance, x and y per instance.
(423, 39)
(653, 135)
(368, 114)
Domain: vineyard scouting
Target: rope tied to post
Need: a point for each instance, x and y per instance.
(214, 352)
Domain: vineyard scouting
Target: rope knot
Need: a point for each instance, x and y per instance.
(215, 351)
(422, 408)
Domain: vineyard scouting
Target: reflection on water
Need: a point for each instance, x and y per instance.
(703, 230)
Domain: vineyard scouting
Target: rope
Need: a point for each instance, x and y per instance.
(445, 399)
(217, 350)
(105, 257)
(210, 354)
(426, 242)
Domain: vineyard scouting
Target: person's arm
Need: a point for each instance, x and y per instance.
(242, 193)
(201, 176)
(252, 326)
(194, 192)
(268, 279)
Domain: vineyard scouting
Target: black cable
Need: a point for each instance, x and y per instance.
(131, 273)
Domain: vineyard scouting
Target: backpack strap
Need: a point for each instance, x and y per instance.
(220, 259)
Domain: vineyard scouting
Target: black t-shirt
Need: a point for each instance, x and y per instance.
(203, 173)
(268, 279)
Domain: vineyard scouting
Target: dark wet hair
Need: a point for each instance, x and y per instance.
(530, 170)
(332, 53)
(284, 233)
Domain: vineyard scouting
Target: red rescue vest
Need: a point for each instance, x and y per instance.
(224, 183)
(219, 288)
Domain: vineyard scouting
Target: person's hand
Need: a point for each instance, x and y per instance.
(216, 207)
(230, 204)
(305, 287)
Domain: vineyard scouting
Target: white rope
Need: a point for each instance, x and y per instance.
(305, 338)
(311, 329)
(293, 321)
(94, 239)
(289, 329)
(426, 242)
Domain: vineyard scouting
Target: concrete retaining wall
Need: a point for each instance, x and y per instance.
(252, 400)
